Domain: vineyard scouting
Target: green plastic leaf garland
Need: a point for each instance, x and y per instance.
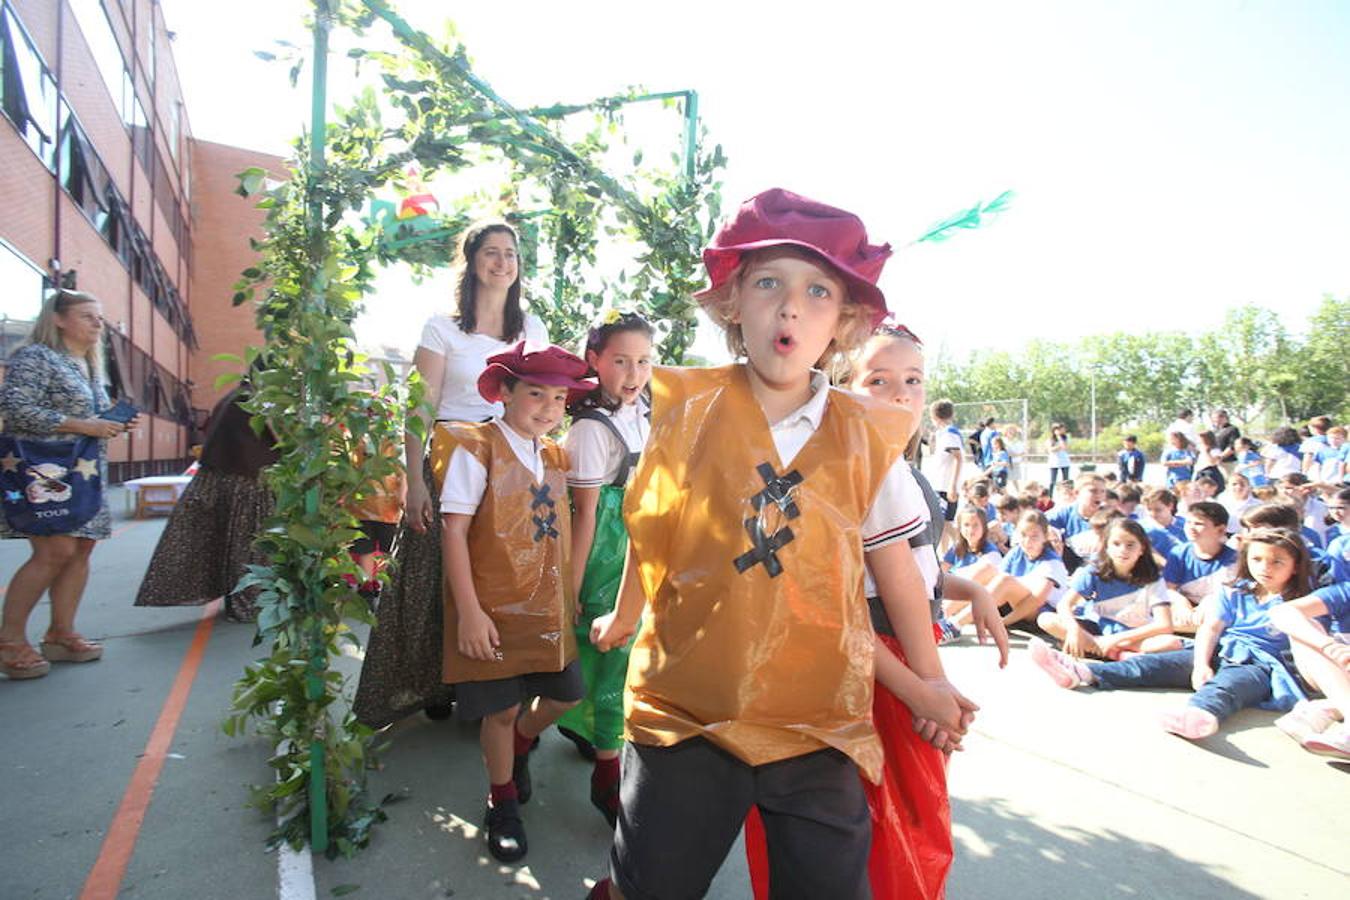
(966, 219)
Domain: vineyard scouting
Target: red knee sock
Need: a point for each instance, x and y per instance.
(500, 793)
(606, 773)
(523, 743)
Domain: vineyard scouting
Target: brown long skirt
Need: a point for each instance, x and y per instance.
(401, 674)
(207, 543)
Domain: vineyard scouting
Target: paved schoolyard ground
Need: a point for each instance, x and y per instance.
(1066, 794)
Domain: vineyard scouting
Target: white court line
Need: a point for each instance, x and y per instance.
(295, 868)
(295, 874)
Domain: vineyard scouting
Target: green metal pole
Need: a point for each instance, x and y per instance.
(318, 657)
(690, 133)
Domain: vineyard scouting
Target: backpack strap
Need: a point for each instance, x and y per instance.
(630, 458)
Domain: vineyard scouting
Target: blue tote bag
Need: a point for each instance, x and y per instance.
(49, 487)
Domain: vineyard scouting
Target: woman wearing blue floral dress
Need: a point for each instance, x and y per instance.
(53, 390)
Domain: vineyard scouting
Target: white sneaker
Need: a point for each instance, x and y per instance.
(1334, 742)
(1062, 668)
(1305, 721)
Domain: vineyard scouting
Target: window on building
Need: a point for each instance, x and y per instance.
(27, 89)
(153, 59)
(83, 174)
(98, 34)
(21, 299)
(173, 128)
(133, 116)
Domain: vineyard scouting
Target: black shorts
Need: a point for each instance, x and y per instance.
(376, 537)
(681, 808)
(948, 507)
(475, 699)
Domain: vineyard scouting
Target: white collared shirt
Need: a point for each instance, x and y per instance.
(594, 453)
(466, 477)
(898, 511)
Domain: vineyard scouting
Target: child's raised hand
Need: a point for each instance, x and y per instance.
(1200, 676)
(608, 632)
(478, 637)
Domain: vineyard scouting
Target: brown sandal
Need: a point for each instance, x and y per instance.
(70, 648)
(19, 661)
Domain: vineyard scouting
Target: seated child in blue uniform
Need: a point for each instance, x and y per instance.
(1164, 527)
(973, 543)
(1201, 566)
(1117, 604)
(1030, 578)
(1238, 660)
(1074, 521)
(1318, 626)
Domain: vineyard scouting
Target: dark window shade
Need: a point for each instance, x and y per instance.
(27, 91)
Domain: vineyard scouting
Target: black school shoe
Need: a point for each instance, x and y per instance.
(520, 774)
(506, 832)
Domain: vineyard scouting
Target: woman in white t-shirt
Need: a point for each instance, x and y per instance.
(402, 669)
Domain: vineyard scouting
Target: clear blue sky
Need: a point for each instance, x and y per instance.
(1171, 159)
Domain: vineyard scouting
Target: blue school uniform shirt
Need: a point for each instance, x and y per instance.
(1001, 460)
(1164, 539)
(1250, 464)
(970, 559)
(986, 437)
(1250, 638)
(1336, 598)
(1339, 549)
(1180, 473)
(1131, 463)
(1196, 577)
(1068, 520)
(1048, 565)
(1115, 604)
(1327, 569)
(1311, 538)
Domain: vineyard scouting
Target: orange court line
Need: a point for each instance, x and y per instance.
(105, 878)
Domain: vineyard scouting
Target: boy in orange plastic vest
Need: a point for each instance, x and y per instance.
(750, 683)
(508, 641)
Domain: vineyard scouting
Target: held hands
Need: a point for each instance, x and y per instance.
(942, 714)
(478, 637)
(1200, 676)
(609, 631)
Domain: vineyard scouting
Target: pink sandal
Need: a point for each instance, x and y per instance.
(18, 660)
(70, 648)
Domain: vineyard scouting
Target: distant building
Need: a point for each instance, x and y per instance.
(103, 186)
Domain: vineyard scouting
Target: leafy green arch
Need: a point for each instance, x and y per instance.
(334, 419)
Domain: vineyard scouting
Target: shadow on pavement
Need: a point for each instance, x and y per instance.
(1000, 853)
